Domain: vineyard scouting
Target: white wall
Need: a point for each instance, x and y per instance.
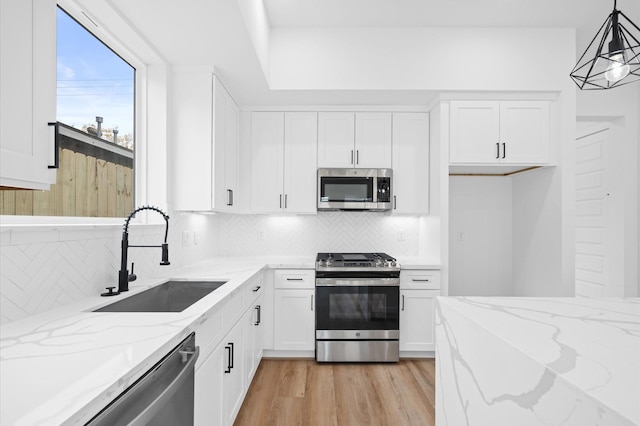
(420, 58)
(480, 243)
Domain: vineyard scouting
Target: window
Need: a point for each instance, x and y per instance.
(95, 112)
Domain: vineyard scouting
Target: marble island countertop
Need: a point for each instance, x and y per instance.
(538, 361)
(65, 365)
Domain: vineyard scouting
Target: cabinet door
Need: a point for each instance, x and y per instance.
(27, 92)
(208, 389)
(233, 373)
(475, 132)
(226, 123)
(231, 153)
(294, 320)
(252, 350)
(300, 161)
(193, 178)
(417, 327)
(373, 140)
(336, 136)
(267, 163)
(411, 163)
(221, 195)
(524, 132)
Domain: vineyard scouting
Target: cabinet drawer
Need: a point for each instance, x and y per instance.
(232, 311)
(420, 279)
(252, 290)
(208, 335)
(295, 278)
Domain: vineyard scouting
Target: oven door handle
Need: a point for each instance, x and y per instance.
(357, 282)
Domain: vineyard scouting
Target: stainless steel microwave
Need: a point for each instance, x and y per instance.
(355, 189)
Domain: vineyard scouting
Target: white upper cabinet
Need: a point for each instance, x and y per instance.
(336, 136)
(499, 132)
(283, 150)
(300, 161)
(347, 139)
(373, 140)
(27, 93)
(206, 133)
(226, 125)
(411, 163)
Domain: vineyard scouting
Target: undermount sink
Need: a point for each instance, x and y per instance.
(172, 296)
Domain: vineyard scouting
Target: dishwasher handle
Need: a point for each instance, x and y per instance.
(152, 409)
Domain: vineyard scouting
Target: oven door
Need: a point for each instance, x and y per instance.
(352, 308)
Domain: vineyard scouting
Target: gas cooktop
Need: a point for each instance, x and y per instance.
(355, 261)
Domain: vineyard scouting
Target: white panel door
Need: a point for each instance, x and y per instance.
(336, 136)
(300, 161)
(417, 327)
(524, 132)
(411, 163)
(267, 163)
(294, 320)
(373, 140)
(208, 388)
(599, 254)
(27, 92)
(231, 145)
(475, 132)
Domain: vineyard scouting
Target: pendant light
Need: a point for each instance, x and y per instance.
(612, 58)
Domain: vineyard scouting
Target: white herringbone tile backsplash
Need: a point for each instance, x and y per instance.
(44, 269)
(326, 231)
(41, 270)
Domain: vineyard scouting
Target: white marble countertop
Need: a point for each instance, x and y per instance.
(65, 365)
(590, 345)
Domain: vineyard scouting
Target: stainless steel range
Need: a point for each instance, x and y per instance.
(357, 307)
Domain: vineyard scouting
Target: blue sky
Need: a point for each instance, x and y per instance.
(92, 80)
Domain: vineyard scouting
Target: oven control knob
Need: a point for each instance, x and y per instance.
(393, 263)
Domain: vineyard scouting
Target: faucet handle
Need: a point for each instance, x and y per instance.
(165, 255)
(132, 276)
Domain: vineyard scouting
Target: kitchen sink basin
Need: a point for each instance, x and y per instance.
(172, 296)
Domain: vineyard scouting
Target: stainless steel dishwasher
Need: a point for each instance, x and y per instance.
(163, 396)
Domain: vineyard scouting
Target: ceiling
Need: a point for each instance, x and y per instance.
(205, 32)
(437, 13)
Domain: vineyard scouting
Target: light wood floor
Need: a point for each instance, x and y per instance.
(303, 392)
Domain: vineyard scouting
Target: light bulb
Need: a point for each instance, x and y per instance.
(617, 69)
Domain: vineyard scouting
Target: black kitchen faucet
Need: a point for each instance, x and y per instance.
(123, 276)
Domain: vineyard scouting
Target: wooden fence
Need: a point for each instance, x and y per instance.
(85, 186)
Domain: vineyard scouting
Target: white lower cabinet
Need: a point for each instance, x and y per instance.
(209, 388)
(294, 319)
(224, 375)
(417, 326)
(418, 290)
(294, 310)
(252, 323)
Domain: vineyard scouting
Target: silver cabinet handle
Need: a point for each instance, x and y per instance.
(419, 280)
(312, 302)
(403, 302)
(497, 150)
(285, 201)
(229, 197)
(256, 289)
(357, 156)
(395, 203)
(351, 156)
(504, 150)
(280, 200)
(294, 279)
